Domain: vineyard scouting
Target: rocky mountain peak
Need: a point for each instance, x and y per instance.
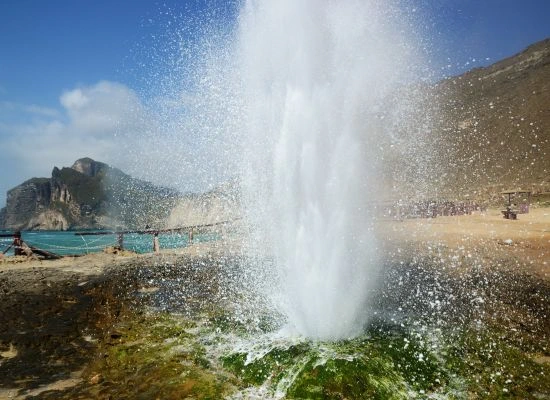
(88, 167)
(88, 195)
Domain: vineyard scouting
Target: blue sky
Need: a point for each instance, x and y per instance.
(57, 56)
(484, 30)
(50, 46)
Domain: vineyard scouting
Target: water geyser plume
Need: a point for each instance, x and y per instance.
(316, 76)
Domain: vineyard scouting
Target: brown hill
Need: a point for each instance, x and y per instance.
(492, 130)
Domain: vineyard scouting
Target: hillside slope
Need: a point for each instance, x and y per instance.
(493, 127)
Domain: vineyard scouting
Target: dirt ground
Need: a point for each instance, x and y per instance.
(487, 236)
(50, 314)
(54, 313)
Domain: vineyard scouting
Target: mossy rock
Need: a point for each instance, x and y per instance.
(273, 365)
(155, 357)
(360, 378)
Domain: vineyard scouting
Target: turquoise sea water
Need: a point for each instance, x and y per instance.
(67, 243)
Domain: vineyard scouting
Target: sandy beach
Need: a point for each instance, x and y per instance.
(485, 237)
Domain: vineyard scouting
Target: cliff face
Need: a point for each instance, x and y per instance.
(88, 195)
(89, 167)
(28, 199)
(219, 205)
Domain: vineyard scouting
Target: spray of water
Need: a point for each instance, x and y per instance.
(299, 101)
(316, 78)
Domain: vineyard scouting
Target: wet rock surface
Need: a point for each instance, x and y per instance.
(111, 333)
(49, 319)
(53, 320)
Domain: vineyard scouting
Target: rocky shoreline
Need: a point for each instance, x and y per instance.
(54, 315)
(62, 321)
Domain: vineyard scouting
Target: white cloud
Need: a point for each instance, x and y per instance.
(42, 111)
(74, 99)
(33, 110)
(103, 109)
(108, 122)
(92, 117)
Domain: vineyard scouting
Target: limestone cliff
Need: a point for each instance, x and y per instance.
(219, 205)
(88, 195)
(24, 202)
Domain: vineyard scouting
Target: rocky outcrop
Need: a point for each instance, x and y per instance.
(26, 201)
(89, 195)
(219, 205)
(49, 220)
(89, 167)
